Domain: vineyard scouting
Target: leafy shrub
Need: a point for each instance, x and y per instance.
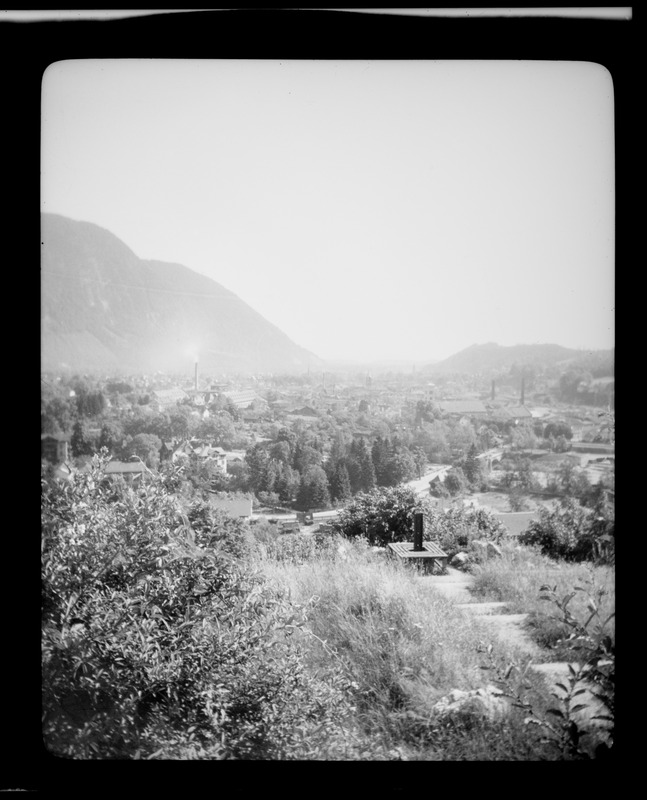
(579, 722)
(213, 527)
(456, 482)
(380, 515)
(517, 500)
(455, 528)
(572, 532)
(268, 499)
(155, 646)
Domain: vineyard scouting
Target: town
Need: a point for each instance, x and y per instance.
(294, 449)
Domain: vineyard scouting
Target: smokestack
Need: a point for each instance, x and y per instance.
(493, 390)
(418, 524)
(523, 390)
(195, 380)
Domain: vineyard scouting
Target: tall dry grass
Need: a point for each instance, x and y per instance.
(403, 645)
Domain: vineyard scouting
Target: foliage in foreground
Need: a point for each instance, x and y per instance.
(579, 723)
(155, 646)
(572, 532)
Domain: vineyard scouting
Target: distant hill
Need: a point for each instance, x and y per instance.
(103, 308)
(486, 359)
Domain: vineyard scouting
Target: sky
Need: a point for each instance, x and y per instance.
(372, 210)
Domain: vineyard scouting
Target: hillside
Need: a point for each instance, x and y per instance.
(103, 308)
(493, 359)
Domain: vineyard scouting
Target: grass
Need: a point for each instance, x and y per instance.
(516, 579)
(404, 647)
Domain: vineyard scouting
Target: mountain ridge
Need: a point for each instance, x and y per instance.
(102, 307)
(491, 358)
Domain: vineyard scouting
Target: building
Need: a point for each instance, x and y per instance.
(203, 452)
(128, 470)
(166, 451)
(306, 413)
(54, 447)
(243, 398)
(519, 413)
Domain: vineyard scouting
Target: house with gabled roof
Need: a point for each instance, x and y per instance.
(128, 470)
(203, 452)
(166, 450)
(519, 413)
(305, 413)
(241, 398)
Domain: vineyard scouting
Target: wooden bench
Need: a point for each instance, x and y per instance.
(425, 559)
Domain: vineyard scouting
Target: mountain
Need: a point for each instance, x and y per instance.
(486, 359)
(103, 308)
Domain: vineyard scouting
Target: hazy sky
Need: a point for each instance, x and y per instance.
(369, 209)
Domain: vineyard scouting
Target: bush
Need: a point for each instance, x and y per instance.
(213, 527)
(455, 528)
(456, 483)
(574, 533)
(155, 644)
(579, 722)
(268, 499)
(380, 515)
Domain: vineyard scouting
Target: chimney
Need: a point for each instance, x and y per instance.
(493, 390)
(523, 390)
(196, 377)
(418, 525)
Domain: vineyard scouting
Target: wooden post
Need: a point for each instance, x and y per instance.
(418, 525)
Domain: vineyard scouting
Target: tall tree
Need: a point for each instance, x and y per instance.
(112, 436)
(305, 456)
(81, 441)
(258, 460)
(57, 414)
(90, 403)
(145, 446)
(400, 467)
(381, 453)
(364, 472)
(287, 482)
(340, 483)
(313, 491)
(472, 466)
